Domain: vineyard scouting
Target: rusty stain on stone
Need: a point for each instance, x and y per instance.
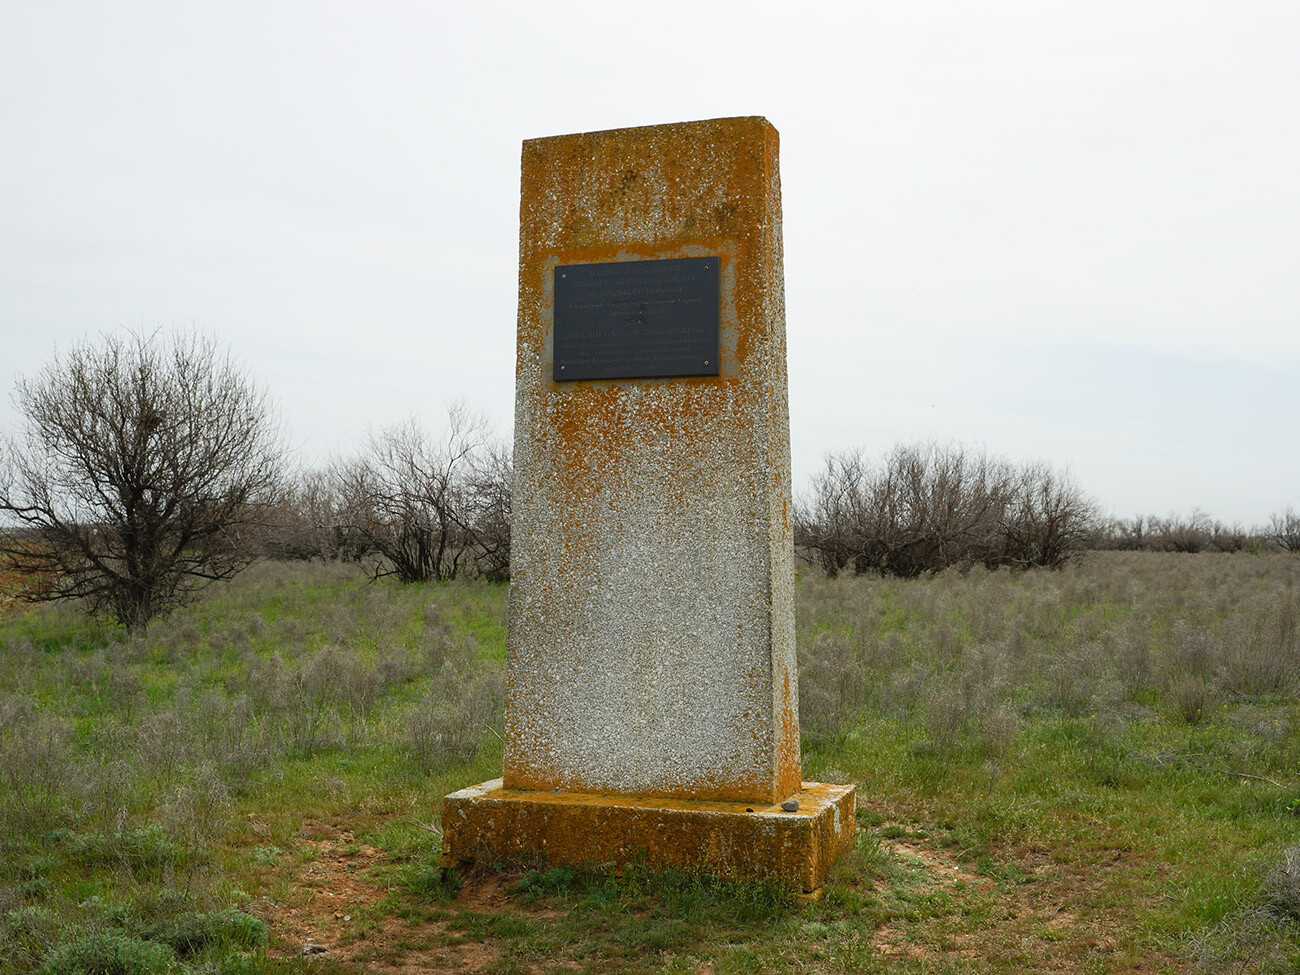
(651, 654)
(652, 637)
(730, 840)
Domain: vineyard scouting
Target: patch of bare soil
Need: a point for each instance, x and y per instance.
(332, 912)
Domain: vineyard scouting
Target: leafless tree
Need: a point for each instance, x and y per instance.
(930, 506)
(490, 512)
(1131, 534)
(1180, 533)
(141, 461)
(421, 505)
(1229, 538)
(935, 506)
(1046, 521)
(830, 526)
(309, 523)
(1284, 530)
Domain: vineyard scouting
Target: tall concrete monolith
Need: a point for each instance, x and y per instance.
(652, 703)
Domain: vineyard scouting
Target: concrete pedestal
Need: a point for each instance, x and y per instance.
(733, 840)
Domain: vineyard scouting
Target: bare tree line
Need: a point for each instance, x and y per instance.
(410, 505)
(1198, 532)
(150, 466)
(927, 507)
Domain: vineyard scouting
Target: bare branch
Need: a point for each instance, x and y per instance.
(140, 458)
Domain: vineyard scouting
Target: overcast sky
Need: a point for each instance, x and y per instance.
(1057, 231)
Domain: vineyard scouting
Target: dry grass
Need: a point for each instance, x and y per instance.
(1179, 634)
(1085, 770)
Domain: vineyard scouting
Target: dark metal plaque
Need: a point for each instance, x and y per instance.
(636, 319)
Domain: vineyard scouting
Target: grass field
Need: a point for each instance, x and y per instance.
(1093, 770)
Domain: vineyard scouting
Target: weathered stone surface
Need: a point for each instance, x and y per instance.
(727, 839)
(652, 702)
(651, 636)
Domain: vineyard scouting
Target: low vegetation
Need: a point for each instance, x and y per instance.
(929, 507)
(1086, 770)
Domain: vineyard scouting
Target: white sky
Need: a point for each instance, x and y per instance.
(1058, 231)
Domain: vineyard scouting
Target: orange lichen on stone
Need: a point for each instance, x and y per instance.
(652, 693)
(728, 839)
(651, 638)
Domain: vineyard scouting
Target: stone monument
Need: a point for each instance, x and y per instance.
(652, 701)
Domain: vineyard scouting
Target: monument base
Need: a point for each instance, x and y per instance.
(735, 840)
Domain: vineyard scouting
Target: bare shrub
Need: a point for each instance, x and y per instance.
(395, 666)
(309, 523)
(88, 671)
(232, 637)
(1180, 533)
(164, 744)
(1046, 521)
(490, 511)
(1228, 538)
(1284, 530)
(907, 687)
(832, 688)
(967, 702)
(998, 729)
(934, 507)
(176, 639)
(1192, 696)
(197, 811)
(425, 506)
(1281, 894)
(1188, 533)
(1249, 664)
(1133, 661)
(335, 676)
(929, 507)
(449, 723)
(1072, 680)
(125, 691)
(438, 645)
(984, 674)
(229, 738)
(1271, 724)
(268, 683)
(830, 527)
(310, 729)
(945, 713)
(1246, 942)
(882, 654)
(1193, 652)
(35, 761)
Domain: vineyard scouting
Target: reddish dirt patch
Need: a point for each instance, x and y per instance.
(329, 892)
(8, 581)
(334, 910)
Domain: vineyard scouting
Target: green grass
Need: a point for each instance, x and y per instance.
(1090, 770)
